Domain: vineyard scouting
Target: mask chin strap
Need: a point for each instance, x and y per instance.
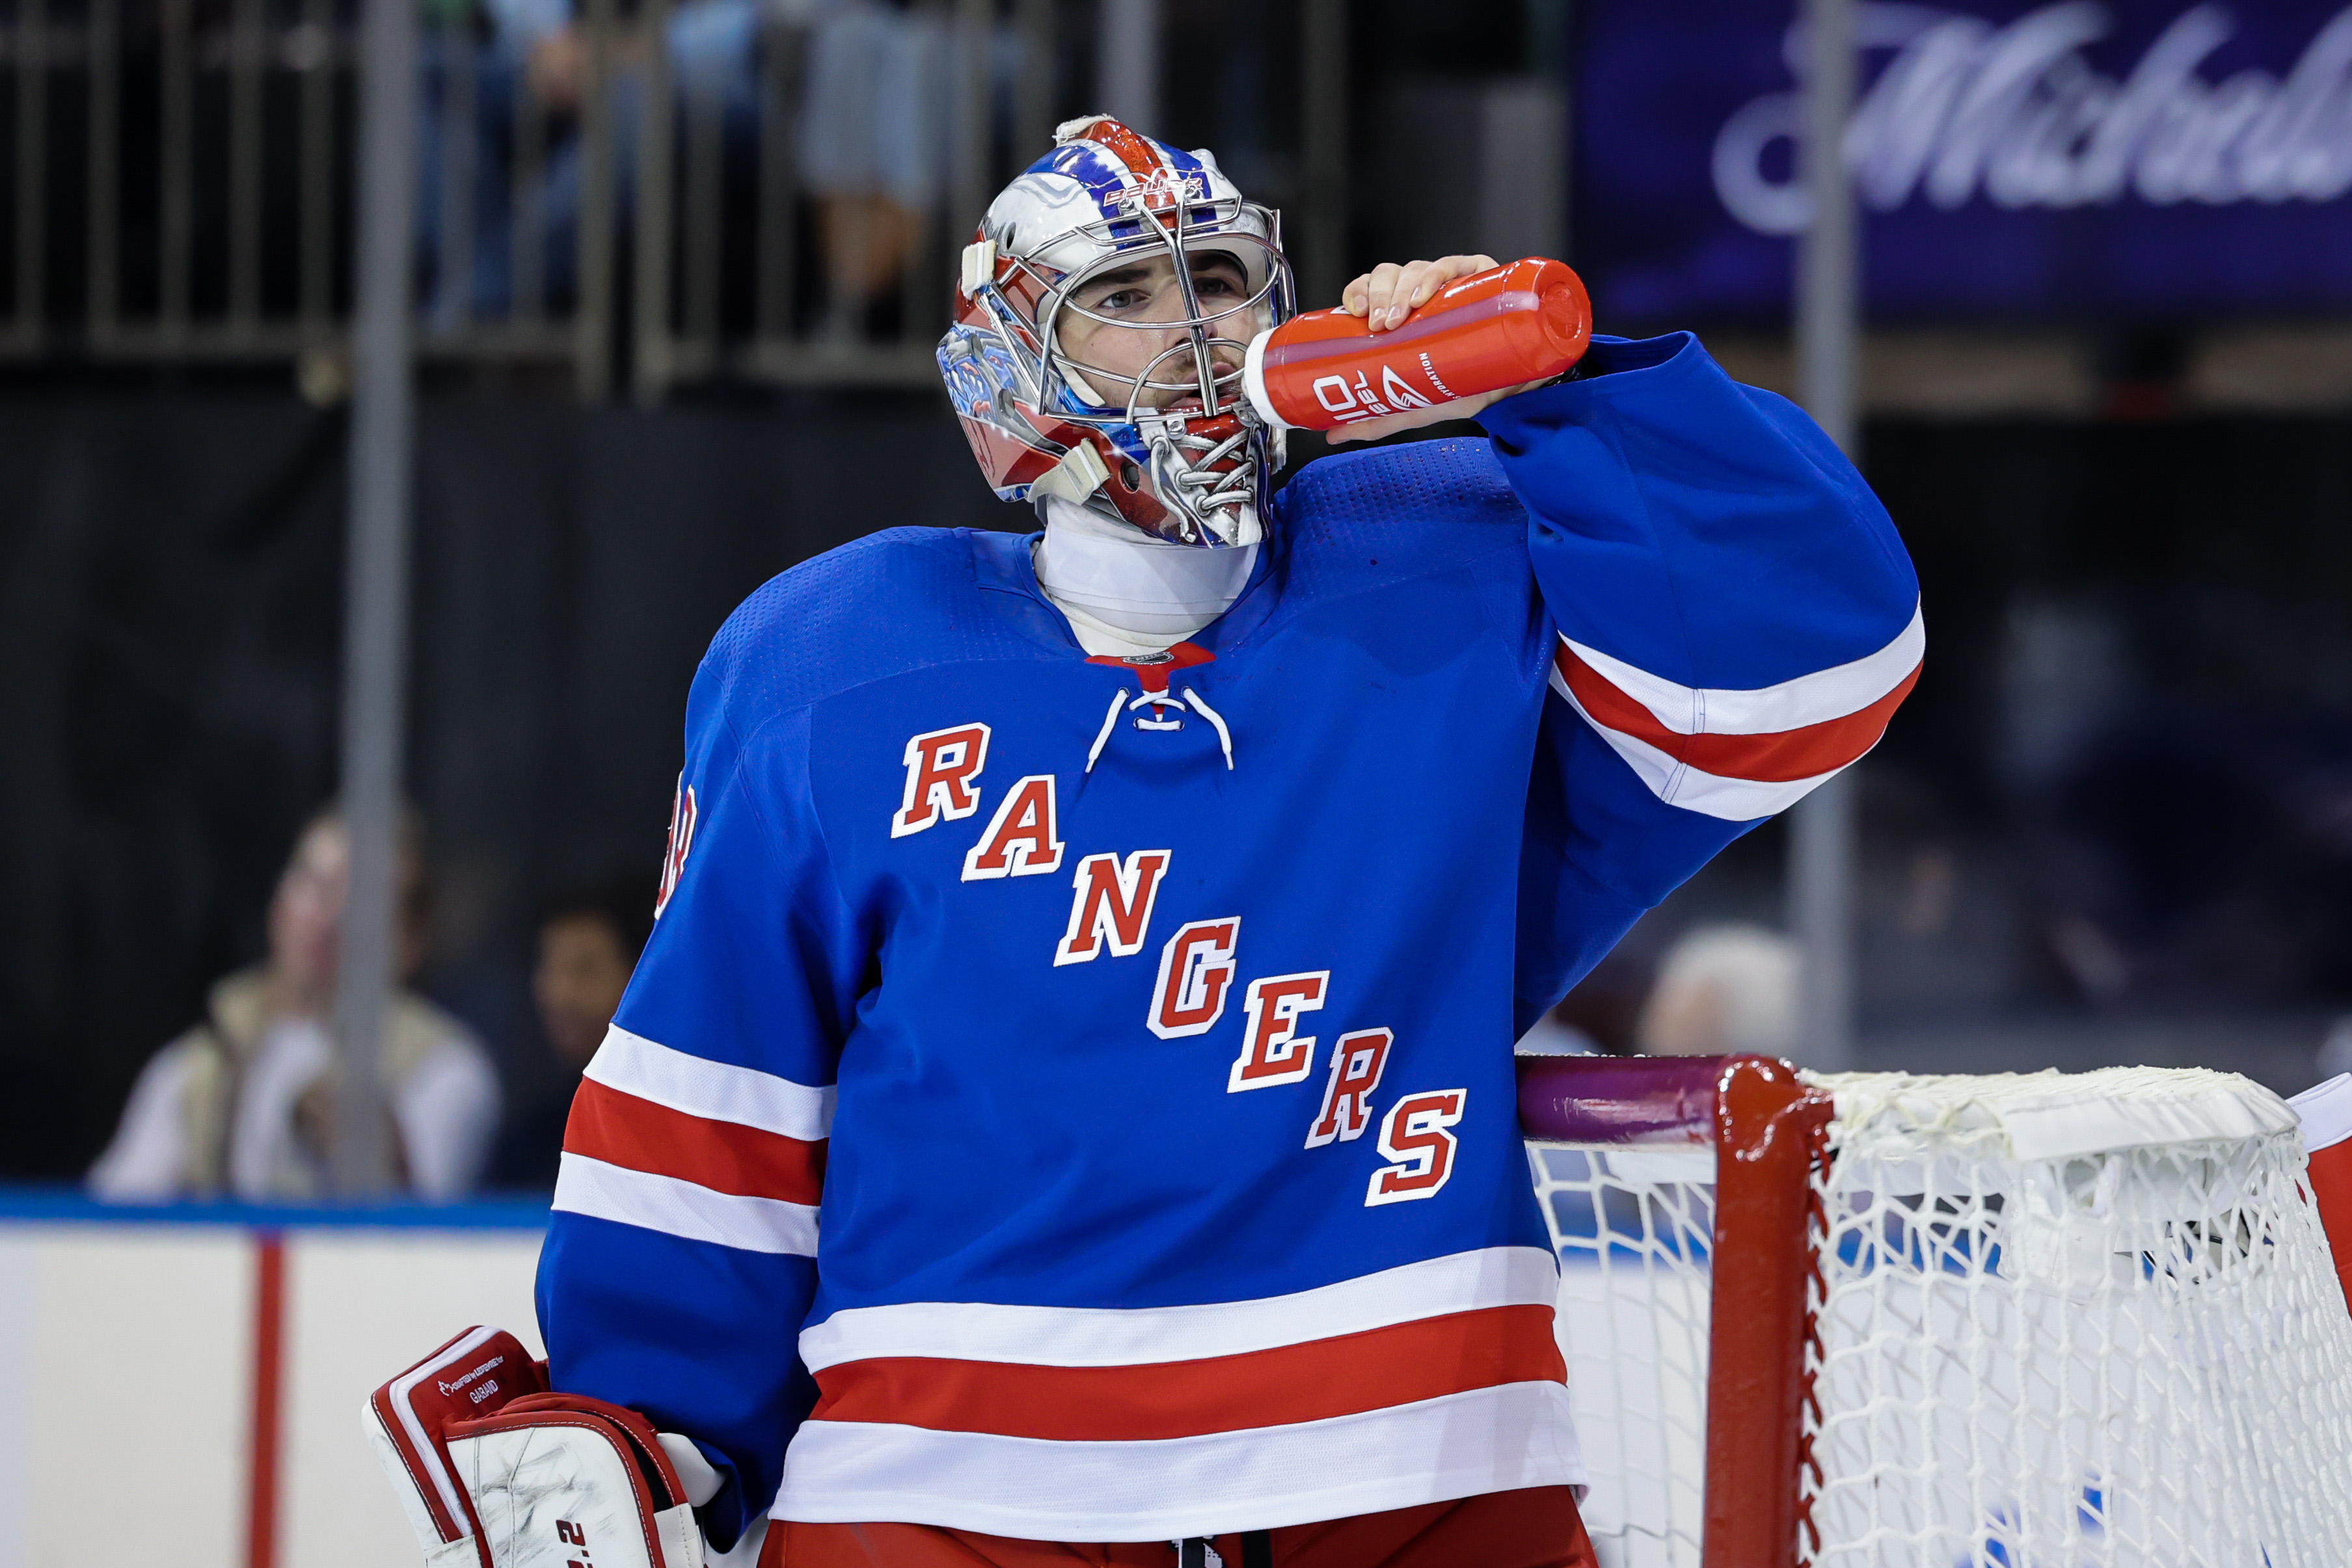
(1187, 477)
(1212, 506)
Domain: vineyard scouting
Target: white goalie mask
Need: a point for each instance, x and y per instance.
(1066, 385)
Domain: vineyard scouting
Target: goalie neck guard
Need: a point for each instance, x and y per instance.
(1165, 440)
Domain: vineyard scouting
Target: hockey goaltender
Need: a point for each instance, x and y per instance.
(1065, 1113)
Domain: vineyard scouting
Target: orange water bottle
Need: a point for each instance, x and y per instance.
(1523, 322)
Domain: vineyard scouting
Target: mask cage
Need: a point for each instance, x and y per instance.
(1028, 299)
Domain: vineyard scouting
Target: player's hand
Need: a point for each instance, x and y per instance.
(1384, 297)
(1389, 293)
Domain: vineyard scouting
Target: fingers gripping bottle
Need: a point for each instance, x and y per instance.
(1526, 321)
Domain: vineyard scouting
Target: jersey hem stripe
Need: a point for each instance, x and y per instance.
(590, 1186)
(1490, 1439)
(713, 1090)
(1135, 1336)
(1346, 1374)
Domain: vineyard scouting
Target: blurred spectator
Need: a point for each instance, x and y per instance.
(534, 52)
(588, 943)
(243, 1104)
(876, 95)
(1598, 1018)
(874, 135)
(1721, 990)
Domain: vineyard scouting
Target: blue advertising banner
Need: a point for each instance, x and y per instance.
(2090, 158)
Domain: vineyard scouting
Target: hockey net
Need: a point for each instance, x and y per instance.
(2008, 1321)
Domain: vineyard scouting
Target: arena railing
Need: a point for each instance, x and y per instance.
(180, 184)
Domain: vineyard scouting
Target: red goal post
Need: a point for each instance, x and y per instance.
(1880, 1321)
(1769, 1133)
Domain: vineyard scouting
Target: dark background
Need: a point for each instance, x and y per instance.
(171, 559)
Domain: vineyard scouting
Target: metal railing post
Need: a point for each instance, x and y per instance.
(1822, 829)
(375, 642)
(968, 174)
(1323, 45)
(782, 51)
(453, 269)
(592, 308)
(704, 111)
(32, 171)
(1033, 105)
(316, 173)
(1127, 60)
(247, 46)
(176, 225)
(527, 301)
(105, 167)
(650, 363)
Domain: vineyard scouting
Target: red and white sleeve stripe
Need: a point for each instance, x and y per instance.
(1736, 754)
(1435, 1379)
(673, 1143)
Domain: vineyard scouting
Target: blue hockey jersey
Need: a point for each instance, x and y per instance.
(1072, 1097)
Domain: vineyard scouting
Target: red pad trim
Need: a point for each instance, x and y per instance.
(496, 1369)
(622, 1129)
(1323, 1378)
(1779, 757)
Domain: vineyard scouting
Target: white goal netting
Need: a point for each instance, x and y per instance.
(2067, 1320)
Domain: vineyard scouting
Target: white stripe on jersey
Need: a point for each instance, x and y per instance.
(699, 1087)
(680, 1209)
(1464, 1445)
(1138, 1336)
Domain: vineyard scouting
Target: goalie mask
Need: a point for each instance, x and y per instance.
(1102, 323)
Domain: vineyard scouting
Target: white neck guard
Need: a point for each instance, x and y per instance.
(1126, 593)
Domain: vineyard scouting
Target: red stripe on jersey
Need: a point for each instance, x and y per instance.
(725, 1156)
(1312, 1382)
(1777, 757)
